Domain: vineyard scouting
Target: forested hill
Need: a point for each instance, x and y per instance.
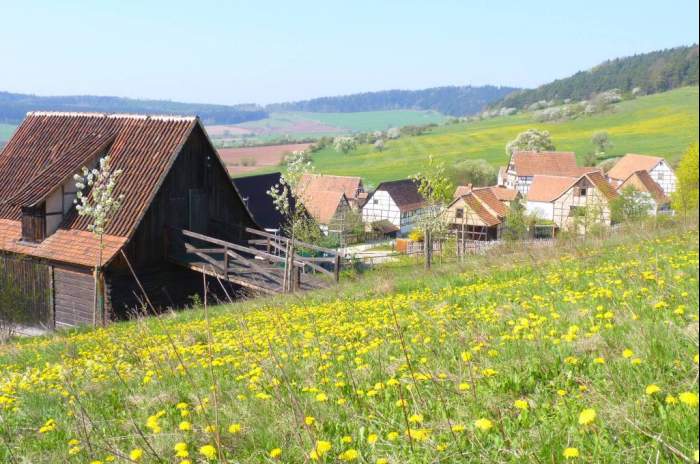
(452, 100)
(653, 72)
(14, 106)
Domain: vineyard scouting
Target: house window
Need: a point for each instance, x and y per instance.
(459, 213)
(581, 192)
(660, 175)
(375, 201)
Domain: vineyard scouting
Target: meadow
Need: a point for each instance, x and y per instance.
(662, 124)
(582, 353)
(6, 131)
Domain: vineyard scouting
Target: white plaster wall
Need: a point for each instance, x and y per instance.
(381, 206)
(664, 176)
(541, 209)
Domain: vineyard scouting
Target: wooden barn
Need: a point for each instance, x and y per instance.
(173, 179)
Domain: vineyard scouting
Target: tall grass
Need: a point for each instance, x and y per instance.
(490, 360)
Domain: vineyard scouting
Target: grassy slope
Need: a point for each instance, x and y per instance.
(272, 363)
(354, 122)
(662, 124)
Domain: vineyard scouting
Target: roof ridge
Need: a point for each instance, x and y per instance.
(159, 117)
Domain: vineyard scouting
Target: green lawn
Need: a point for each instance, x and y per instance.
(586, 349)
(662, 124)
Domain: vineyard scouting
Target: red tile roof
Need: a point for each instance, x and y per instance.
(350, 186)
(462, 190)
(641, 180)
(476, 206)
(144, 147)
(631, 163)
(602, 184)
(549, 163)
(549, 188)
(68, 246)
(504, 194)
(322, 204)
(487, 197)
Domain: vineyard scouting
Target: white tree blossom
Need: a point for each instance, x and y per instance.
(99, 204)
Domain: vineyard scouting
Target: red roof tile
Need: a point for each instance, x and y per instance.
(548, 163)
(631, 163)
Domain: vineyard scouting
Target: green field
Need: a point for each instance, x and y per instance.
(6, 131)
(662, 124)
(294, 122)
(533, 355)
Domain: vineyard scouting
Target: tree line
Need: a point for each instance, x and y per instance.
(14, 107)
(646, 73)
(450, 100)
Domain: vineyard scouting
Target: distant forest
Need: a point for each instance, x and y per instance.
(453, 101)
(13, 107)
(650, 72)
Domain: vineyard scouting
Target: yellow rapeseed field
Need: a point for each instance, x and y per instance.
(589, 357)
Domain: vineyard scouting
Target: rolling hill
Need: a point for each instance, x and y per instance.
(450, 100)
(14, 106)
(662, 124)
(652, 72)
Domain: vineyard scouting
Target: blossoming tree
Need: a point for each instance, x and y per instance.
(95, 199)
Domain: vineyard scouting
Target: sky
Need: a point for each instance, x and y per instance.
(271, 51)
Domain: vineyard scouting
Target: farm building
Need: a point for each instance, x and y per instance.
(350, 186)
(477, 215)
(397, 201)
(330, 209)
(524, 165)
(564, 199)
(172, 179)
(658, 168)
(652, 193)
(253, 191)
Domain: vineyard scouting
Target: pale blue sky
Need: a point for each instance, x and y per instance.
(268, 51)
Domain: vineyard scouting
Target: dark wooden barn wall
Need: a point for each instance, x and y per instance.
(195, 181)
(74, 294)
(29, 283)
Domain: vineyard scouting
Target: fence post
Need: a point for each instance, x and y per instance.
(428, 244)
(225, 262)
(336, 268)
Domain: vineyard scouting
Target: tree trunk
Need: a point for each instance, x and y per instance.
(428, 242)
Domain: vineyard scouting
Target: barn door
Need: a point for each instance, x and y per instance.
(198, 211)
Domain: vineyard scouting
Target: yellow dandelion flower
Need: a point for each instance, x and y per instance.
(136, 454)
(587, 416)
(483, 424)
(234, 428)
(372, 438)
(416, 419)
(571, 453)
(627, 353)
(309, 420)
(652, 389)
(275, 453)
(522, 405)
(208, 451)
(184, 426)
(392, 436)
(346, 439)
(349, 455)
(689, 398)
(458, 428)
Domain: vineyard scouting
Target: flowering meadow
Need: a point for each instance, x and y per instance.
(587, 356)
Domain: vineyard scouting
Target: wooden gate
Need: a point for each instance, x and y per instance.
(26, 292)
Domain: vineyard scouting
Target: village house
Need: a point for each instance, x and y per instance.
(350, 186)
(524, 165)
(173, 179)
(398, 202)
(477, 215)
(657, 201)
(569, 201)
(330, 209)
(658, 168)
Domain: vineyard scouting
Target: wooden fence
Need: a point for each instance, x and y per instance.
(26, 292)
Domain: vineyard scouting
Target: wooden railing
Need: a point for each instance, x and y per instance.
(270, 263)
